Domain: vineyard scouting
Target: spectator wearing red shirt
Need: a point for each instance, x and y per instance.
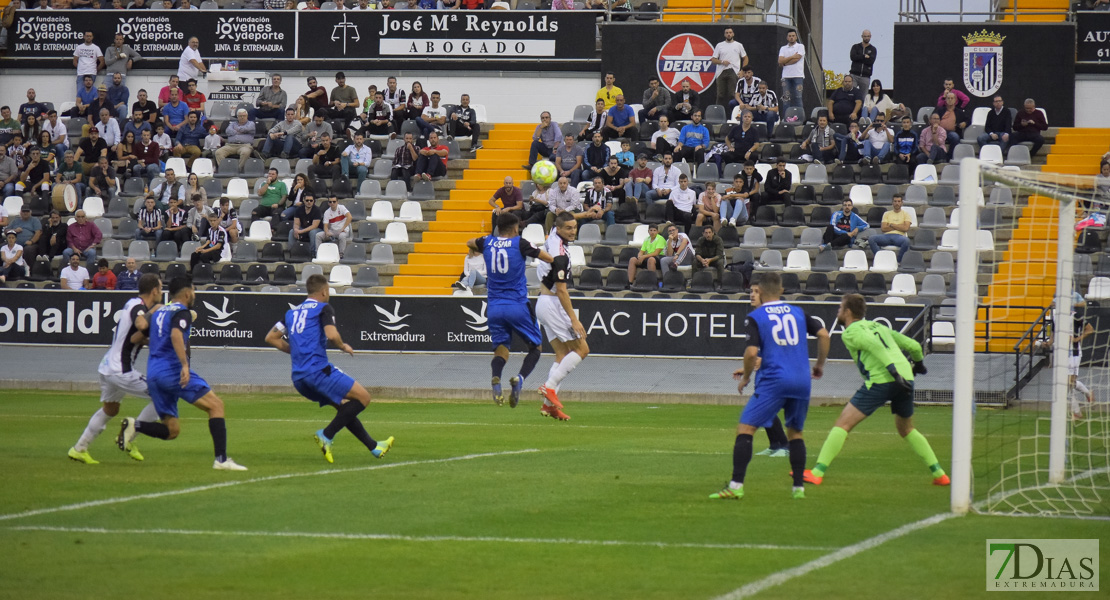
(1028, 125)
(511, 200)
(433, 159)
(81, 239)
(104, 279)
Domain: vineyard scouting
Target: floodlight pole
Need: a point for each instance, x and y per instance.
(967, 300)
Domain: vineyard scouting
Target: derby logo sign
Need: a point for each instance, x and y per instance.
(983, 63)
(686, 57)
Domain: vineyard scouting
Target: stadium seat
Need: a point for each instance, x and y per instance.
(816, 284)
(308, 271)
(371, 189)
(589, 280)
(178, 165)
(1018, 156)
(646, 281)
(730, 238)
(811, 237)
(793, 216)
(381, 211)
(187, 250)
(366, 276)
(933, 285)
(816, 174)
(126, 230)
(230, 274)
(639, 235)
(615, 235)
(941, 262)
(203, 168)
(673, 282)
(885, 261)
(410, 212)
(925, 175)
(616, 281)
(943, 195)
(139, 250)
(259, 232)
(341, 188)
(272, 252)
(934, 218)
(912, 262)
(284, 274)
(212, 187)
(381, 254)
(871, 175)
(165, 252)
(245, 252)
(254, 167)
(898, 174)
(797, 261)
(93, 207)
(327, 254)
(368, 231)
(300, 252)
(903, 285)
(804, 194)
(602, 257)
(340, 275)
(533, 232)
(874, 217)
(991, 153)
(846, 283)
(706, 172)
(950, 175)
(421, 190)
(113, 249)
(984, 241)
(769, 260)
(104, 225)
(826, 262)
(257, 275)
(841, 175)
(765, 217)
(1089, 242)
(861, 196)
(237, 189)
(396, 190)
(943, 333)
(577, 257)
(949, 241)
(202, 273)
(820, 217)
(874, 284)
(855, 261)
(754, 237)
(1098, 288)
(782, 238)
(1001, 196)
(227, 168)
(701, 282)
(832, 195)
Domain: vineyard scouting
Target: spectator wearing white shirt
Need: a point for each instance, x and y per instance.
(474, 271)
(59, 134)
(88, 59)
(433, 117)
(877, 140)
(730, 57)
(792, 61)
(191, 65)
(109, 129)
(357, 156)
(680, 204)
(562, 198)
(75, 276)
(240, 139)
(664, 140)
(664, 180)
(336, 227)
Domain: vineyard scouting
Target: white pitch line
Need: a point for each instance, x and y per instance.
(417, 538)
(226, 484)
(781, 577)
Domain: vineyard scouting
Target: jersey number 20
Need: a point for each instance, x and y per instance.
(785, 330)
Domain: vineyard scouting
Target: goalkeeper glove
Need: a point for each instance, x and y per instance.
(898, 379)
(919, 367)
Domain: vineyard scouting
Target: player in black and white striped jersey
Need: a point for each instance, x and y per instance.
(118, 377)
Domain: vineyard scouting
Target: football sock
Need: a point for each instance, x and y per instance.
(153, 429)
(798, 460)
(497, 365)
(347, 412)
(218, 429)
(832, 446)
(741, 456)
(562, 369)
(149, 413)
(530, 361)
(97, 423)
(776, 436)
(921, 446)
(357, 430)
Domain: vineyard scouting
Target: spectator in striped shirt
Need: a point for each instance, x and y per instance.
(176, 225)
(765, 106)
(150, 222)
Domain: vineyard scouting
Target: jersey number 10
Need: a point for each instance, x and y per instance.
(500, 260)
(785, 330)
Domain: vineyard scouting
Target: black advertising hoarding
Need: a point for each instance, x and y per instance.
(1014, 60)
(1092, 37)
(636, 51)
(628, 327)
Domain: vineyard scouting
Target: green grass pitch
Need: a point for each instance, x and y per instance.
(609, 505)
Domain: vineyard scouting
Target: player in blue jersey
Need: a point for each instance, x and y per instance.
(169, 378)
(304, 336)
(777, 338)
(508, 309)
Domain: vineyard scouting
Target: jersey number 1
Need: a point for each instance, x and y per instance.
(500, 260)
(785, 330)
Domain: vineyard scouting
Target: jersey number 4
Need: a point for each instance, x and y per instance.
(500, 260)
(785, 330)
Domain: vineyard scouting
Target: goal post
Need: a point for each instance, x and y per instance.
(967, 304)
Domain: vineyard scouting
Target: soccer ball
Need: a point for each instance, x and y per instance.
(544, 172)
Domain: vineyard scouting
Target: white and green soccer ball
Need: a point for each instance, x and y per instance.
(544, 172)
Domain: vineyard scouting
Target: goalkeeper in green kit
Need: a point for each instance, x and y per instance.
(879, 353)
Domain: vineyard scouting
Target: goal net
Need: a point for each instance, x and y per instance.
(1032, 319)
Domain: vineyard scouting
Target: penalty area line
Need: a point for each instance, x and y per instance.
(227, 484)
(415, 538)
(846, 552)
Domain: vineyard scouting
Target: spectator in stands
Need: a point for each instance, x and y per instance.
(336, 228)
(433, 159)
(286, 133)
(395, 98)
(679, 252)
(75, 277)
(932, 142)
(102, 180)
(104, 278)
(404, 161)
(128, 278)
(191, 64)
(845, 103)
(464, 121)
(344, 100)
(843, 227)
(306, 221)
(997, 128)
(189, 140)
(1102, 184)
(954, 120)
(90, 150)
(240, 139)
(378, 120)
(595, 122)
(59, 135)
(905, 143)
(664, 180)
(474, 271)
(229, 220)
(685, 103)
(792, 61)
(665, 140)
(569, 159)
(270, 103)
(165, 144)
(192, 186)
(416, 102)
(212, 142)
(614, 177)
(81, 239)
(1028, 125)
(776, 189)
(119, 96)
(197, 219)
(215, 246)
(950, 86)
(744, 195)
(625, 156)
(609, 92)
(176, 227)
(650, 253)
(693, 141)
(69, 172)
(87, 59)
(876, 103)
(12, 265)
(512, 201)
(746, 87)
(598, 204)
(314, 133)
(28, 233)
(86, 94)
(175, 113)
(639, 180)
(101, 102)
(730, 58)
(326, 160)
(35, 175)
(54, 235)
(896, 223)
(597, 157)
(150, 222)
(137, 125)
(620, 121)
(863, 60)
(172, 187)
(709, 252)
(535, 207)
(31, 107)
(820, 146)
(708, 210)
(271, 195)
(120, 57)
(656, 101)
(561, 198)
(356, 158)
(49, 152)
(742, 142)
(164, 93)
(149, 108)
(851, 144)
(433, 117)
(562, 5)
(109, 129)
(195, 99)
(545, 138)
(765, 106)
(680, 203)
(878, 139)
